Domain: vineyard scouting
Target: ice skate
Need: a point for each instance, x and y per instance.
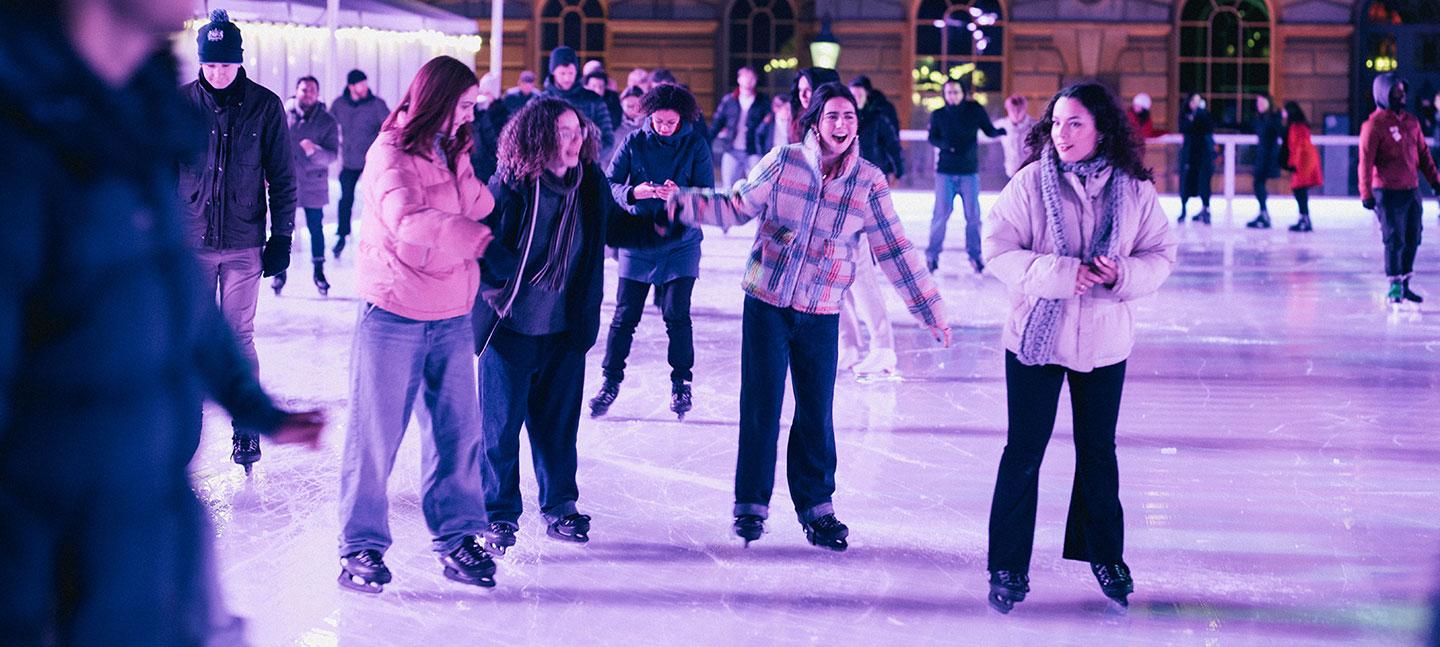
(278, 283)
(470, 564)
(1303, 225)
(932, 264)
(1114, 581)
(1409, 295)
(827, 532)
(680, 400)
(879, 365)
(364, 571)
(849, 357)
(500, 536)
(1261, 221)
(600, 404)
(977, 265)
(1181, 219)
(320, 283)
(245, 450)
(748, 527)
(1007, 588)
(1203, 217)
(339, 246)
(1395, 297)
(574, 528)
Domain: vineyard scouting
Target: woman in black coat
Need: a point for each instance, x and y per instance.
(1270, 132)
(1197, 156)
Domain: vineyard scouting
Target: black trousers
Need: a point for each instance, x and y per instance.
(1302, 200)
(1195, 180)
(1399, 212)
(1095, 529)
(348, 178)
(674, 301)
(1262, 192)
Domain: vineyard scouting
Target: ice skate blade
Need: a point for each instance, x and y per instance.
(1117, 606)
(496, 549)
(355, 583)
(484, 581)
(580, 538)
(249, 468)
(877, 378)
(1000, 604)
(838, 546)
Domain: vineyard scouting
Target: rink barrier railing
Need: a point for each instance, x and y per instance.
(1229, 142)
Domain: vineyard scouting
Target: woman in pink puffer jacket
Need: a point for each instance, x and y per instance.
(1076, 236)
(418, 275)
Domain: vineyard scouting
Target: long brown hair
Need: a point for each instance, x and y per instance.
(1117, 142)
(530, 140)
(429, 107)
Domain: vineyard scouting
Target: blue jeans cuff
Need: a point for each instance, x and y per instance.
(757, 509)
(815, 512)
(560, 512)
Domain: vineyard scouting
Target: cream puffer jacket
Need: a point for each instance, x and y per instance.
(1096, 328)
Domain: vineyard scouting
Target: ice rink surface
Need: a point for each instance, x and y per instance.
(1279, 443)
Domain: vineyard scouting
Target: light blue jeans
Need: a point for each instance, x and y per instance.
(393, 360)
(946, 188)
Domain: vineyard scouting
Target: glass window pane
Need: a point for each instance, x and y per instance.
(1193, 78)
(927, 40)
(552, 9)
(1192, 41)
(1224, 35)
(740, 10)
(549, 36)
(1257, 78)
(784, 37)
(760, 34)
(593, 9)
(932, 9)
(570, 32)
(1224, 77)
(782, 10)
(739, 38)
(595, 37)
(1196, 10)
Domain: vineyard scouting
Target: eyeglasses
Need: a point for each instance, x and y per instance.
(568, 135)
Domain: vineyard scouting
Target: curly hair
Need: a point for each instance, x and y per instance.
(1116, 140)
(530, 140)
(671, 97)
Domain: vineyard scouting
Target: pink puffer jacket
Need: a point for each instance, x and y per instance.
(1096, 328)
(422, 233)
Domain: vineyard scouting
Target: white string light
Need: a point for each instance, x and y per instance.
(290, 32)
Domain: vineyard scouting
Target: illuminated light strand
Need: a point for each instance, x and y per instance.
(362, 35)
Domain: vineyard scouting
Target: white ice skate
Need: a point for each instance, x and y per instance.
(849, 357)
(878, 366)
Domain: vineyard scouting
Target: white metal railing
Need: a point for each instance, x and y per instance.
(1229, 142)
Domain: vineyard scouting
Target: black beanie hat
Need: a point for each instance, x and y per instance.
(355, 76)
(219, 40)
(562, 56)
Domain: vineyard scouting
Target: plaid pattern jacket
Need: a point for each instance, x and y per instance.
(810, 232)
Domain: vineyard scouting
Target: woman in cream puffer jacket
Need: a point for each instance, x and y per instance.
(1076, 236)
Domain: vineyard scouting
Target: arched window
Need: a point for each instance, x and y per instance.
(578, 24)
(1225, 55)
(762, 36)
(1398, 36)
(962, 40)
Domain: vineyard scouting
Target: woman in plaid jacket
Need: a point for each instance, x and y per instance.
(815, 202)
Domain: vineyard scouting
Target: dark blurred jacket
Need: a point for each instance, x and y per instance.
(880, 135)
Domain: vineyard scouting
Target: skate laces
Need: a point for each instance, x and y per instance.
(501, 526)
(370, 558)
(1111, 574)
(1011, 579)
(827, 523)
(470, 553)
(578, 521)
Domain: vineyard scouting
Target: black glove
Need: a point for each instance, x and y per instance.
(1368, 203)
(499, 263)
(276, 257)
(1001, 132)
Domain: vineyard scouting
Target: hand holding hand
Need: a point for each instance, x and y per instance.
(1085, 279)
(301, 428)
(667, 190)
(1107, 269)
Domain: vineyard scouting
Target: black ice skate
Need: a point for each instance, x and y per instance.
(339, 246)
(827, 532)
(1007, 588)
(1203, 217)
(364, 571)
(1396, 295)
(500, 536)
(1409, 295)
(1303, 225)
(278, 283)
(1115, 581)
(680, 401)
(600, 404)
(320, 283)
(749, 527)
(245, 450)
(574, 528)
(470, 564)
(1261, 221)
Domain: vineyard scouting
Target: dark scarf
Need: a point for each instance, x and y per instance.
(1038, 339)
(556, 269)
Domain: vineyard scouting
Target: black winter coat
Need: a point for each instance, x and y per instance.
(726, 122)
(953, 130)
(603, 223)
(1198, 147)
(1271, 135)
(108, 339)
(485, 133)
(880, 135)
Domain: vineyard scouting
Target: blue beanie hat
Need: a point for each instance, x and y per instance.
(562, 56)
(219, 40)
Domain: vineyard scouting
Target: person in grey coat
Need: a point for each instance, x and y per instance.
(360, 114)
(315, 140)
(247, 170)
(669, 152)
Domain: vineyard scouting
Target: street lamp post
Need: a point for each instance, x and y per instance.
(825, 49)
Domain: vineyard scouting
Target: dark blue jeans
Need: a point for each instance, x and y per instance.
(674, 301)
(348, 178)
(535, 381)
(315, 222)
(774, 341)
(1095, 526)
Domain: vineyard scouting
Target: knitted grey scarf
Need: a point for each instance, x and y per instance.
(1038, 339)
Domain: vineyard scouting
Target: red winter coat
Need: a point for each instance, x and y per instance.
(1304, 160)
(1392, 150)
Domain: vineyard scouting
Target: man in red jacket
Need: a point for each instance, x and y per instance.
(1392, 149)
